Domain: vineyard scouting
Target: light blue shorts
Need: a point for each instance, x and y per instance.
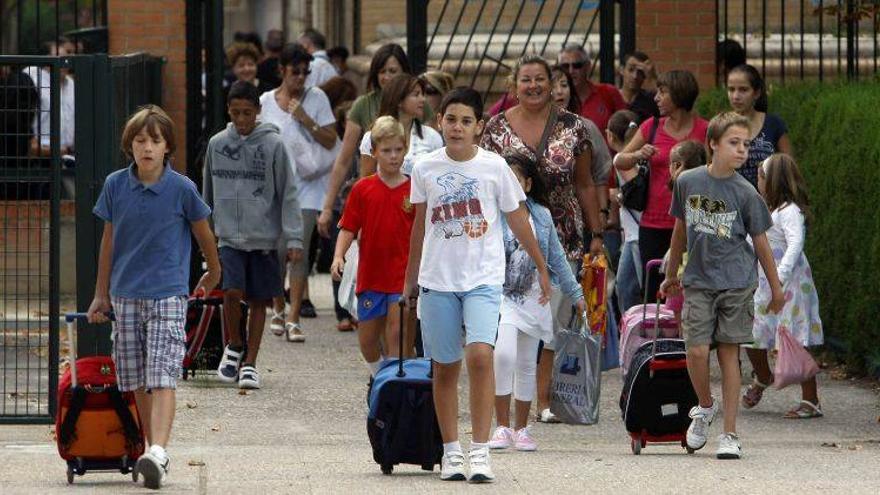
(443, 315)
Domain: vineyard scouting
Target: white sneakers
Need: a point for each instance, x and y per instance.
(728, 446)
(152, 467)
(248, 378)
(452, 466)
(481, 471)
(505, 438)
(701, 419)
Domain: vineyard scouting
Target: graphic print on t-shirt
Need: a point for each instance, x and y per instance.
(520, 276)
(709, 216)
(459, 211)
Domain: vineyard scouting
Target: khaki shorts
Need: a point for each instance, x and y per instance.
(718, 316)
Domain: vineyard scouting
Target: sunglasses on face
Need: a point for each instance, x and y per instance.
(575, 65)
(430, 91)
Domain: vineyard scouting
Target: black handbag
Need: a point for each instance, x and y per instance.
(634, 193)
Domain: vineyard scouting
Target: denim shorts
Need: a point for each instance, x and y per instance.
(255, 273)
(451, 320)
(372, 305)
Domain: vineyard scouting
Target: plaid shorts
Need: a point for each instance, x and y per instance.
(148, 342)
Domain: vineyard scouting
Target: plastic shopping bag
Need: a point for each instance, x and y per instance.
(346, 295)
(576, 376)
(794, 364)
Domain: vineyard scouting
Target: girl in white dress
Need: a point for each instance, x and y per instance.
(784, 189)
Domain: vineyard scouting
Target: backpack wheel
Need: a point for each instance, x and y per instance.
(427, 467)
(69, 475)
(636, 445)
(689, 450)
(387, 469)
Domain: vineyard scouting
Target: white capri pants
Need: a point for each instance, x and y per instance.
(516, 358)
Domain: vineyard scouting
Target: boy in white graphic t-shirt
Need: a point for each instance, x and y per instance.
(457, 259)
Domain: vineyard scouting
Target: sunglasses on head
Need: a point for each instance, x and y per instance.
(575, 65)
(431, 91)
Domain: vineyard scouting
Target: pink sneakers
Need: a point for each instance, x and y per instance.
(524, 441)
(503, 438)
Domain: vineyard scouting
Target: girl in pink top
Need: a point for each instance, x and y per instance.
(677, 90)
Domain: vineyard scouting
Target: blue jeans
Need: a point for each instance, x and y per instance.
(629, 276)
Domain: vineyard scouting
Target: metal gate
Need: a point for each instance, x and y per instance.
(30, 200)
(38, 170)
(483, 38)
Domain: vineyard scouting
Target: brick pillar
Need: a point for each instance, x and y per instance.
(679, 34)
(157, 27)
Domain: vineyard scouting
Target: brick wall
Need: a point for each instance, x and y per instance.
(159, 28)
(679, 34)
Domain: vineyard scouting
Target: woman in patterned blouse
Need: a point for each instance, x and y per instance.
(566, 166)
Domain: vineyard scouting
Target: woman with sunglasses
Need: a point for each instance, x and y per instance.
(437, 84)
(305, 118)
(389, 61)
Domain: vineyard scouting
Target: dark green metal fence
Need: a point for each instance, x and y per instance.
(30, 197)
(39, 167)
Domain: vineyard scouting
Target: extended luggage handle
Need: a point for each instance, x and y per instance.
(648, 266)
(400, 373)
(70, 319)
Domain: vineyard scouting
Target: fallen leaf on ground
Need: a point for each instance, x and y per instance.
(831, 444)
(194, 462)
(855, 447)
(191, 404)
(243, 392)
(215, 428)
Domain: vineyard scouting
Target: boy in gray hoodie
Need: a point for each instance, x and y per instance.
(249, 184)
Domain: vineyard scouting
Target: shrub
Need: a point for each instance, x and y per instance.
(836, 141)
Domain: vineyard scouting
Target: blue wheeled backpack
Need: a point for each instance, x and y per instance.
(402, 424)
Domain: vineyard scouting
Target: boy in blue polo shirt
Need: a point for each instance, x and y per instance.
(248, 181)
(148, 211)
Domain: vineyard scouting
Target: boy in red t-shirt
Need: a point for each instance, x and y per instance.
(379, 213)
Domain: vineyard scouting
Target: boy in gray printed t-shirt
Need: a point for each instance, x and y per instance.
(716, 210)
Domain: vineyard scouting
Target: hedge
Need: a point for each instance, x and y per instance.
(836, 141)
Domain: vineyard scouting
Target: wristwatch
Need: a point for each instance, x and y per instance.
(315, 127)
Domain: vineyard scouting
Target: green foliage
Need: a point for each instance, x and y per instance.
(836, 141)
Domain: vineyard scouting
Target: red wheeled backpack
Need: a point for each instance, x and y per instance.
(97, 426)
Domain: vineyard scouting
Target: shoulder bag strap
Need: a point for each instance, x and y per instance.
(548, 129)
(654, 126)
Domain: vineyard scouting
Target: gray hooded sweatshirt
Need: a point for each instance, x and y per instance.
(249, 184)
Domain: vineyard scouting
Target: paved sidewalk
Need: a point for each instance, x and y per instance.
(305, 432)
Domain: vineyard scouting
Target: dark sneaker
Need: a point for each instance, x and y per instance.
(307, 310)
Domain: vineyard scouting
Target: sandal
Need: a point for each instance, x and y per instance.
(345, 325)
(754, 393)
(804, 410)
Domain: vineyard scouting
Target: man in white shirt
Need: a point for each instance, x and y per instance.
(41, 77)
(321, 68)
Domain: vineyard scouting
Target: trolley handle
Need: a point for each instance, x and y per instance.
(71, 319)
